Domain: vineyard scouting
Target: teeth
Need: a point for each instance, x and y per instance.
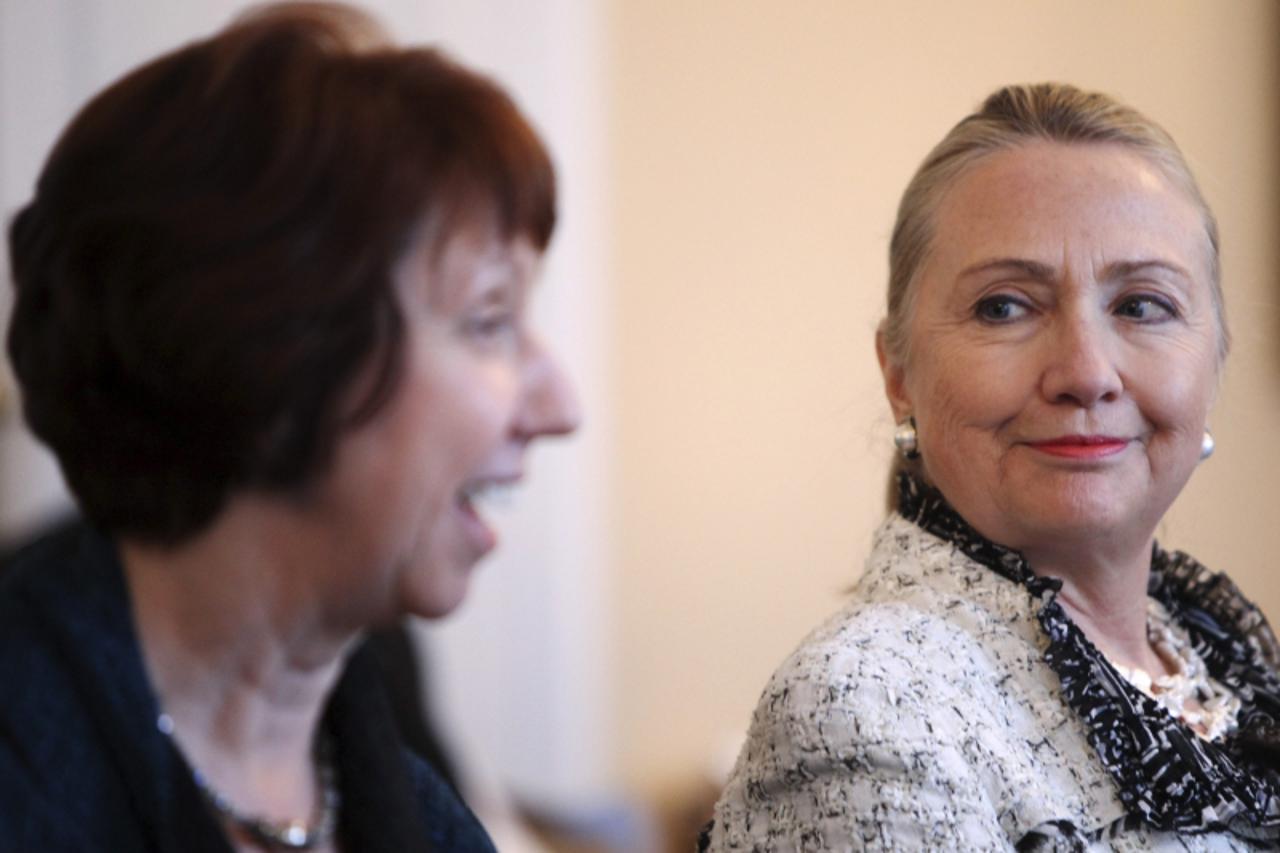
(496, 495)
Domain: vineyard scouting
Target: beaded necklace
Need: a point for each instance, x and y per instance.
(1168, 776)
(295, 834)
(1190, 694)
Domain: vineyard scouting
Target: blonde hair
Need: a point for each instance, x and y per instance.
(1010, 117)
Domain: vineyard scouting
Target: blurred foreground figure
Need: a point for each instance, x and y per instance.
(271, 316)
(1021, 666)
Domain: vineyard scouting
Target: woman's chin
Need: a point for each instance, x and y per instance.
(437, 589)
(1080, 523)
(1050, 511)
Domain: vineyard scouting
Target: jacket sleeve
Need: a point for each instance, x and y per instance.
(858, 748)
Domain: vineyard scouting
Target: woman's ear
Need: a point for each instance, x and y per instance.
(895, 385)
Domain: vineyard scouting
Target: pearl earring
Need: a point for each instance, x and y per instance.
(1207, 445)
(906, 440)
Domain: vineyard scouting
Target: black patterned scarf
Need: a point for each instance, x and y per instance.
(1169, 778)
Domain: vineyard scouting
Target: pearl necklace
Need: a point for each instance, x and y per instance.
(1190, 694)
(295, 834)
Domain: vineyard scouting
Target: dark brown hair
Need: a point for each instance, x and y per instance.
(206, 265)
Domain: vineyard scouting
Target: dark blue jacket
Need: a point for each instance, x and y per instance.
(83, 767)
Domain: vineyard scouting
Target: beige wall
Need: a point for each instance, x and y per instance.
(760, 147)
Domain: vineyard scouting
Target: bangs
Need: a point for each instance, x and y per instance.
(463, 150)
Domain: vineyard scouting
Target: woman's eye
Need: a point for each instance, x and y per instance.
(1145, 309)
(999, 309)
(492, 325)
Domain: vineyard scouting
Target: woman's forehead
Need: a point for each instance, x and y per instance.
(446, 267)
(1045, 200)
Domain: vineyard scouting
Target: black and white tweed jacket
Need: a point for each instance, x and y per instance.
(953, 705)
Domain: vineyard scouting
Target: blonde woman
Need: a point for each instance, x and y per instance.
(1021, 666)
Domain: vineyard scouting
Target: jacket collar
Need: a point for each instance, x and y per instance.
(1168, 778)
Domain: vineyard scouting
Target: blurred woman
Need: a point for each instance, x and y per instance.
(271, 317)
(1022, 666)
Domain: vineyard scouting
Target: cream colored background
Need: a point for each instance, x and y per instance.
(759, 148)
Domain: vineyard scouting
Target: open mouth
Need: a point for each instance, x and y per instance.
(492, 493)
(476, 496)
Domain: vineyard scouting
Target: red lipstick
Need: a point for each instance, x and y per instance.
(1081, 446)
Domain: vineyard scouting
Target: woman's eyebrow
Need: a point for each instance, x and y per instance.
(1126, 269)
(1044, 273)
(1027, 268)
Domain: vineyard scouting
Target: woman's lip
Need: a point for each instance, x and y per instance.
(1081, 446)
(483, 538)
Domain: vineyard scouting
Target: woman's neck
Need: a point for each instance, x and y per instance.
(1105, 594)
(1104, 574)
(240, 656)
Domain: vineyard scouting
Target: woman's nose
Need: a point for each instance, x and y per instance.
(1080, 366)
(550, 403)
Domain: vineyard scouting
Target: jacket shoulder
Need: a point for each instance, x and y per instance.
(58, 787)
(890, 668)
(861, 740)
